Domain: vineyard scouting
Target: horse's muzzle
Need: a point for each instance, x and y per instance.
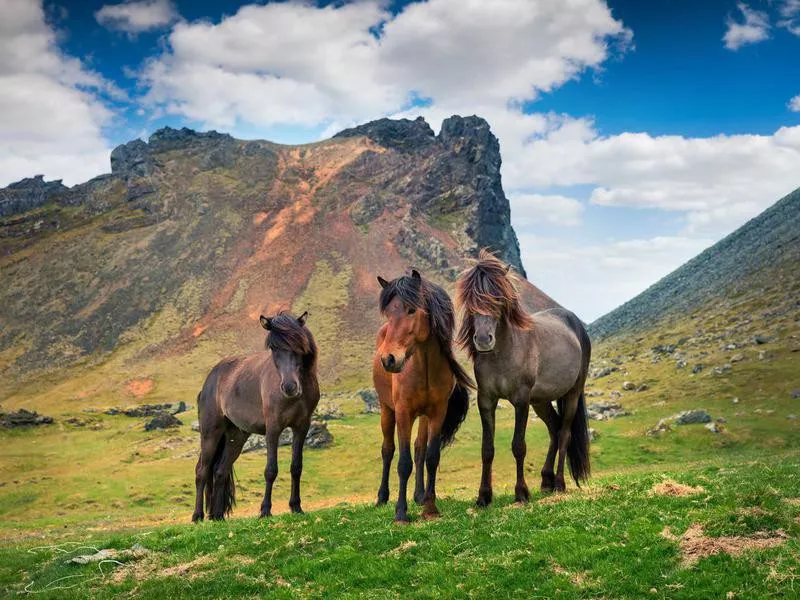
(392, 364)
(291, 390)
(483, 344)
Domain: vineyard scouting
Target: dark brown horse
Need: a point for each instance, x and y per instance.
(262, 393)
(529, 360)
(416, 375)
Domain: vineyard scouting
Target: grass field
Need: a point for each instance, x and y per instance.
(109, 484)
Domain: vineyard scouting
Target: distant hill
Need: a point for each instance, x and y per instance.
(193, 235)
(763, 251)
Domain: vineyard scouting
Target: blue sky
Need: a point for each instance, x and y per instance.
(634, 134)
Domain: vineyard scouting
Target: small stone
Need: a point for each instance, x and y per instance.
(178, 408)
(730, 347)
(723, 369)
(796, 394)
(696, 369)
(593, 434)
(196, 426)
(681, 364)
(760, 339)
(735, 400)
(662, 426)
(162, 420)
(722, 420)
(615, 395)
(642, 388)
(689, 417)
(791, 417)
(712, 427)
(628, 386)
(737, 358)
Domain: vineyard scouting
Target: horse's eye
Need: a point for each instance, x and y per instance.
(411, 311)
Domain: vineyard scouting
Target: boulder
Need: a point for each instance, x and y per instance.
(603, 372)
(162, 420)
(371, 402)
(628, 386)
(723, 369)
(737, 357)
(689, 417)
(318, 436)
(663, 426)
(328, 411)
(600, 411)
(23, 418)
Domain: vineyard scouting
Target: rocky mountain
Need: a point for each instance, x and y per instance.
(173, 255)
(762, 254)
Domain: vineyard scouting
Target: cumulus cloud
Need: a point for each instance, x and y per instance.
(752, 28)
(51, 114)
(592, 280)
(135, 17)
(794, 104)
(553, 209)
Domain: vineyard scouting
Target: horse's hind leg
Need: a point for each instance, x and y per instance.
(209, 440)
(548, 414)
(432, 461)
(224, 491)
(420, 448)
(570, 406)
(518, 447)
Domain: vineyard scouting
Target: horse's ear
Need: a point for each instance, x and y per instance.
(508, 268)
(302, 318)
(382, 281)
(415, 274)
(266, 322)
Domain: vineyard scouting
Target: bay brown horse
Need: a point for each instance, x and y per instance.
(529, 359)
(262, 393)
(416, 375)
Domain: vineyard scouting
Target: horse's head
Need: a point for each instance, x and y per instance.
(292, 348)
(487, 294)
(403, 305)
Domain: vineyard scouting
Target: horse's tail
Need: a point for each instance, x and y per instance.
(578, 448)
(457, 406)
(228, 496)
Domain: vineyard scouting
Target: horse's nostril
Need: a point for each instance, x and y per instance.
(390, 360)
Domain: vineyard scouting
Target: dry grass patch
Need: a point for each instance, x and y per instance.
(668, 487)
(695, 545)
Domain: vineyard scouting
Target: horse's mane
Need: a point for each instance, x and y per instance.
(489, 287)
(423, 294)
(286, 333)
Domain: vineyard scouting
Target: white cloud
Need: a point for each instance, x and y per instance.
(789, 11)
(531, 209)
(752, 29)
(592, 280)
(50, 116)
(299, 64)
(794, 104)
(137, 16)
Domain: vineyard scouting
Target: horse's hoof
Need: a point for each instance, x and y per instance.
(197, 517)
(402, 521)
(430, 514)
(522, 495)
(419, 499)
(560, 486)
(265, 514)
(380, 502)
(217, 517)
(297, 511)
(484, 499)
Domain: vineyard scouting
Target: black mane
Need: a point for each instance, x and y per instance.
(286, 333)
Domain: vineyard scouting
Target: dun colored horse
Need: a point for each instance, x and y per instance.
(416, 375)
(529, 360)
(263, 393)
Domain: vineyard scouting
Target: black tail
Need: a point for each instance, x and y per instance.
(578, 448)
(457, 407)
(227, 499)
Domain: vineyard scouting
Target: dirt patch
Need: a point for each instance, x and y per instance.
(668, 487)
(695, 545)
(792, 501)
(139, 387)
(187, 569)
(404, 547)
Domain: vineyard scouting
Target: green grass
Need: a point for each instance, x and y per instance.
(604, 542)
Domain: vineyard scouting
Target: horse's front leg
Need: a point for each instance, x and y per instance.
(487, 406)
(387, 453)
(420, 446)
(519, 449)
(404, 464)
(271, 470)
(298, 440)
(432, 462)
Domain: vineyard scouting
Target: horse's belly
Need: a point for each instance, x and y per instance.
(552, 386)
(247, 416)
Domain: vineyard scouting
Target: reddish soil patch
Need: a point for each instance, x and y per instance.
(198, 330)
(139, 387)
(668, 487)
(695, 544)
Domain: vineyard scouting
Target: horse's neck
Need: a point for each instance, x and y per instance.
(508, 337)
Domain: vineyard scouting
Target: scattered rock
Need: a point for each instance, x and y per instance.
(371, 402)
(162, 420)
(713, 427)
(697, 368)
(328, 411)
(690, 417)
(735, 400)
(663, 426)
(721, 420)
(764, 354)
(603, 372)
(761, 339)
(681, 364)
(723, 369)
(23, 418)
(730, 347)
(600, 411)
(318, 437)
(148, 410)
(642, 388)
(593, 434)
(178, 408)
(628, 386)
(195, 425)
(593, 394)
(664, 349)
(737, 358)
(791, 417)
(615, 395)
(795, 394)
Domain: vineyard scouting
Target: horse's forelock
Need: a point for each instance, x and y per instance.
(286, 333)
(408, 289)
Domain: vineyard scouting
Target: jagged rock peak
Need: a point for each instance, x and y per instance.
(400, 134)
(168, 138)
(29, 193)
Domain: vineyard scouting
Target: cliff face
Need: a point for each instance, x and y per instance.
(193, 235)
